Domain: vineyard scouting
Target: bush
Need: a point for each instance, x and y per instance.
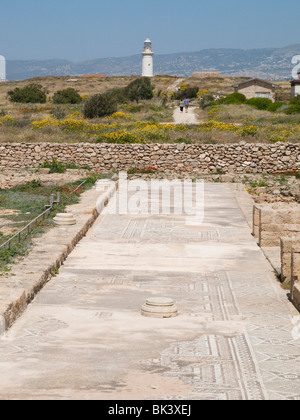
(67, 96)
(118, 95)
(58, 167)
(54, 166)
(189, 92)
(100, 105)
(207, 100)
(233, 99)
(274, 107)
(295, 101)
(59, 112)
(140, 88)
(249, 130)
(259, 103)
(292, 109)
(121, 137)
(32, 93)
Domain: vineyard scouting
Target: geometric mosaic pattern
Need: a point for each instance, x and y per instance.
(232, 339)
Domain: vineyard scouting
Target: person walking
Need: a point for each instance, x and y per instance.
(186, 104)
(181, 105)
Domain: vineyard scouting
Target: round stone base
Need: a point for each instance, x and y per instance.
(64, 219)
(159, 308)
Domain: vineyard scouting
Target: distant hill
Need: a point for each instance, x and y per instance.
(267, 63)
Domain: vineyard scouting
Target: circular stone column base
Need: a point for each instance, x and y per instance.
(64, 219)
(159, 308)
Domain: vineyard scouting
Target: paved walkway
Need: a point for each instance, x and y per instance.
(84, 337)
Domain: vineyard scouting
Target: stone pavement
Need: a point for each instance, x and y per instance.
(83, 337)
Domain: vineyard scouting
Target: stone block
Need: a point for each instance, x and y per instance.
(256, 221)
(295, 279)
(44, 171)
(269, 239)
(286, 247)
(267, 215)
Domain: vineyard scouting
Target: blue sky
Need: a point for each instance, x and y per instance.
(79, 30)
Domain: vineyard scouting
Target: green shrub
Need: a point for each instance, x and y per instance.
(118, 95)
(189, 92)
(233, 99)
(67, 96)
(207, 100)
(29, 186)
(32, 93)
(59, 112)
(134, 108)
(276, 106)
(259, 103)
(292, 109)
(249, 130)
(277, 138)
(120, 137)
(140, 88)
(58, 167)
(54, 166)
(100, 105)
(295, 101)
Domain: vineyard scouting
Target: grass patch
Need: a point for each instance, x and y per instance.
(28, 201)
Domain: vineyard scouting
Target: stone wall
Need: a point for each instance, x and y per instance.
(290, 267)
(185, 158)
(286, 249)
(295, 277)
(206, 74)
(271, 222)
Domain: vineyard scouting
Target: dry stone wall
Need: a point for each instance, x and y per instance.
(206, 74)
(185, 158)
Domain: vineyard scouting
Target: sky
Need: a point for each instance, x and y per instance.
(79, 30)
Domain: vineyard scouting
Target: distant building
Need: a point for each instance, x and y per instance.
(147, 64)
(2, 69)
(206, 75)
(257, 88)
(295, 86)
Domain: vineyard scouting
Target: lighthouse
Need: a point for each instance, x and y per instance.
(2, 69)
(147, 59)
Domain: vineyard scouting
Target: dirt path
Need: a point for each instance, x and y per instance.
(175, 85)
(185, 118)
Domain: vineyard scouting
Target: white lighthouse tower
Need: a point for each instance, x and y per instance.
(2, 69)
(147, 59)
